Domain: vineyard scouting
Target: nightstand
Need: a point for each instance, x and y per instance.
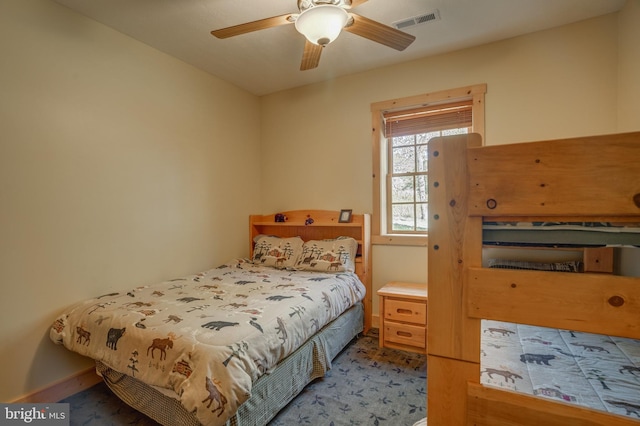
(403, 316)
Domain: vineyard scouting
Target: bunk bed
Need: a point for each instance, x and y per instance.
(233, 345)
(571, 181)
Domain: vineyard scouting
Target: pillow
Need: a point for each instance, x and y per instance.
(337, 255)
(277, 252)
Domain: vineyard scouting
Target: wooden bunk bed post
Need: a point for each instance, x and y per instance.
(453, 337)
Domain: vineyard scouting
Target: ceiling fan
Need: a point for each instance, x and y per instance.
(321, 22)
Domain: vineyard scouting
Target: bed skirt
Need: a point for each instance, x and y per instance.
(269, 394)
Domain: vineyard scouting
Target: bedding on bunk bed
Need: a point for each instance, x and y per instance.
(207, 338)
(597, 371)
(561, 234)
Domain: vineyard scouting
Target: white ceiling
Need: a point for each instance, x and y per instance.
(267, 61)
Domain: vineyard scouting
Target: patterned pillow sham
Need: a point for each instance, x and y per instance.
(336, 255)
(277, 252)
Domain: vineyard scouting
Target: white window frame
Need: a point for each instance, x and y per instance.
(476, 93)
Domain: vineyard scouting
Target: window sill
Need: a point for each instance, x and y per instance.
(400, 240)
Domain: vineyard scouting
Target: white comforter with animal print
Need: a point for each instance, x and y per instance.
(209, 336)
(597, 371)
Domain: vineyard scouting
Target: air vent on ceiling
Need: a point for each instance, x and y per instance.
(417, 20)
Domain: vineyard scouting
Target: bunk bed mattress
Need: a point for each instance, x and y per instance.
(208, 337)
(596, 371)
(561, 234)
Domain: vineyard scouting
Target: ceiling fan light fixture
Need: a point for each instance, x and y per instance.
(322, 24)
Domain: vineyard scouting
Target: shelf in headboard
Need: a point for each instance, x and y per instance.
(314, 224)
(325, 225)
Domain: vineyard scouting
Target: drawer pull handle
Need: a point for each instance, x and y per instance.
(404, 311)
(404, 334)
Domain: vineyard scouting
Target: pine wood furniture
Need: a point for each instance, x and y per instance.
(403, 316)
(581, 179)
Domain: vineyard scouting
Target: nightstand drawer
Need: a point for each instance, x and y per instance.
(403, 310)
(405, 334)
(403, 316)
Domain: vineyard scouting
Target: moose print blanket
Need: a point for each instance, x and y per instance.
(208, 336)
(597, 371)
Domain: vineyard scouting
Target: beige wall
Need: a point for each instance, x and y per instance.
(629, 71)
(119, 166)
(629, 99)
(562, 82)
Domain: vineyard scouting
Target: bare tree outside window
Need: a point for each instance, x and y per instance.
(409, 188)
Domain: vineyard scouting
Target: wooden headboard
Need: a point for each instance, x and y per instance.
(324, 224)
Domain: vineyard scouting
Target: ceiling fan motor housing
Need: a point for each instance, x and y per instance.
(321, 24)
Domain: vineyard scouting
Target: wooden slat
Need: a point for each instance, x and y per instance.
(249, 27)
(433, 98)
(447, 388)
(566, 218)
(356, 3)
(319, 216)
(557, 178)
(380, 33)
(495, 407)
(451, 332)
(598, 259)
(310, 56)
(594, 303)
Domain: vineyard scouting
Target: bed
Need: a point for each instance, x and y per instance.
(571, 182)
(233, 344)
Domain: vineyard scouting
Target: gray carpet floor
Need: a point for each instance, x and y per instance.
(367, 385)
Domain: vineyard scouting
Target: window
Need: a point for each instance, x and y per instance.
(402, 130)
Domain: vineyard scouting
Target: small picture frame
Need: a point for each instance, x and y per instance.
(345, 216)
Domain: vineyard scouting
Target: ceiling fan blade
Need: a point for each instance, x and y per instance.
(380, 33)
(310, 56)
(356, 3)
(249, 27)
